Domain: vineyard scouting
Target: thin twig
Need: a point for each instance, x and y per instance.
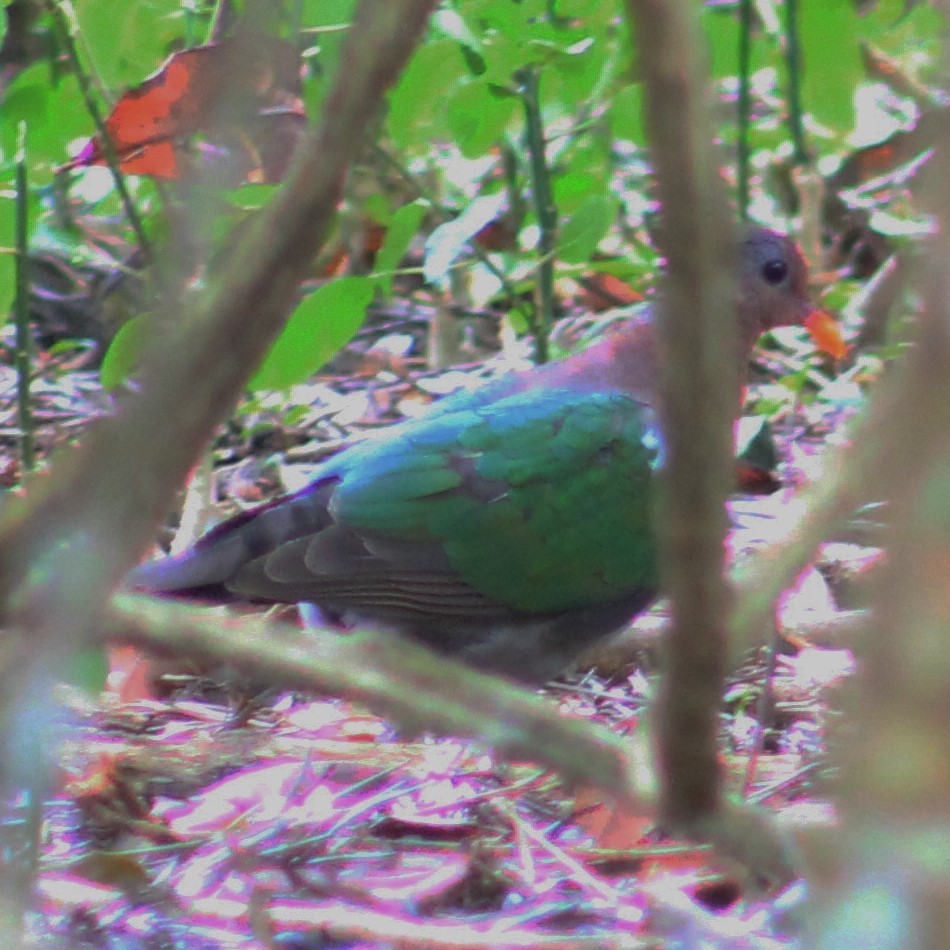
(400, 679)
(544, 209)
(65, 36)
(24, 339)
(793, 56)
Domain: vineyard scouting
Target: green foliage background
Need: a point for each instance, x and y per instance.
(453, 134)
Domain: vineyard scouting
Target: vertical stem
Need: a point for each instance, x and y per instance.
(510, 170)
(697, 346)
(544, 208)
(21, 306)
(744, 106)
(794, 56)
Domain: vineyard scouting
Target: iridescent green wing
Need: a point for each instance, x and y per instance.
(542, 502)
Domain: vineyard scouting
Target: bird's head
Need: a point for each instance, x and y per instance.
(773, 291)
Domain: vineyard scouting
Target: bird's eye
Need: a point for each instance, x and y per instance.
(774, 272)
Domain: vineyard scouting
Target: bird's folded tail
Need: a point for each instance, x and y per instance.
(214, 562)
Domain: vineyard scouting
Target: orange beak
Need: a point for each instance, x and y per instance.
(826, 333)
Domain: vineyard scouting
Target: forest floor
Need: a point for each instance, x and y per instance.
(194, 811)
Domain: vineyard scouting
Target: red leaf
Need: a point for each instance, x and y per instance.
(240, 97)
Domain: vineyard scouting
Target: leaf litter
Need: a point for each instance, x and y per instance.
(192, 814)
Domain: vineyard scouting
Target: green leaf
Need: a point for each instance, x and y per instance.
(478, 118)
(128, 41)
(832, 62)
(54, 114)
(322, 323)
(573, 9)
(416, 102)
(251, 197)
(573, 188)
(583, 230)
(579, 69)
(124, 353)
(326, 25)
(722, 29)
(7, 252)
(503, 57)
(625, 114)
(402, 229)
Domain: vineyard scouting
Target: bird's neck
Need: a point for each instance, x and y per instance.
(626, 359)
